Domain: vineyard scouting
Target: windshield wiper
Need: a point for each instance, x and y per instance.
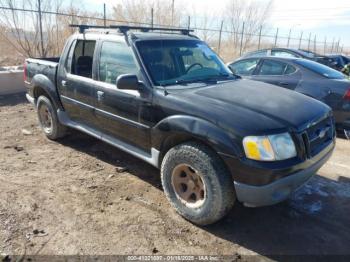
(220, 76)
(208, 79)
(196, 80)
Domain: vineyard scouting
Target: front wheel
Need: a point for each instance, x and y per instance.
(48, 119)
(197, 183)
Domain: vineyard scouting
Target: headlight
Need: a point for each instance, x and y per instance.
(269, 148)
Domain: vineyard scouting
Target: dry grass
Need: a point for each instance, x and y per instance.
(9, 55)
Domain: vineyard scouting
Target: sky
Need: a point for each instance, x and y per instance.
(323, 18)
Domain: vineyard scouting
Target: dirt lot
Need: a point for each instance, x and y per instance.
(81, 196)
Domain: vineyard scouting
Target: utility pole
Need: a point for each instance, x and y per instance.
(172, 12)
(152, 17)
(242, 35)
(315, 44)
(259, 37)
(290, 31)
(301, 38)
(219, 46)
(308, 46)
(332, 45)
(276, 38)
(41, 29)
(104, 15)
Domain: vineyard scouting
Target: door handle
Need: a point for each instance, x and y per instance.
(64, 83)
(100, 95)
(283, 83)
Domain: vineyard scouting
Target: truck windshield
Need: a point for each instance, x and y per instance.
(320, 69)
(172, 62)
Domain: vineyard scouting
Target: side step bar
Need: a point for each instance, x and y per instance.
(151, 158)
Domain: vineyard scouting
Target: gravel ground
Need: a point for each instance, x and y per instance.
(81, 196)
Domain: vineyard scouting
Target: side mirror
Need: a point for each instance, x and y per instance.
(129, 82)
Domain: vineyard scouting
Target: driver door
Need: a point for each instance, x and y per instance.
(122, 114)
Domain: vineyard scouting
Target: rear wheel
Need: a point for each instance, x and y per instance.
(48, 119)
(197, 183)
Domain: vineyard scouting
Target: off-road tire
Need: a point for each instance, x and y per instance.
(220, 195)
(55, 130)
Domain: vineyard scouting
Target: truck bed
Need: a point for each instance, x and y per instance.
(48, 59)
(43, 66)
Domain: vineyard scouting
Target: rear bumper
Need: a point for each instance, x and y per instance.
(280, 189)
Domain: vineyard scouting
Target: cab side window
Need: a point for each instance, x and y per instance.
(270, 67)
(290, 70)
(276, 68)
(115, 59)
(82, 58)
(245, 67)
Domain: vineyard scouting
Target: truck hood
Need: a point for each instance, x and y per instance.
(256, 106)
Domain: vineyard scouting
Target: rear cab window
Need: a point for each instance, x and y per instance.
(80, 59)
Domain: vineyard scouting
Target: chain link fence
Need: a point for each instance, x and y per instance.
(228, 44)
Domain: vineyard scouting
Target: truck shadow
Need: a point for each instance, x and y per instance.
(314, 221)
(113, 156)
(13, 99)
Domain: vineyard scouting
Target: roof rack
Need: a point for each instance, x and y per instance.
(125, 28)
(82, 28)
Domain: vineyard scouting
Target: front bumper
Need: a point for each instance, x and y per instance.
(280, 189)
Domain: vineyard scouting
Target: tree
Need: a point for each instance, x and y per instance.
(203, 23)
(23, 28)
(167, 13)
(254, 14)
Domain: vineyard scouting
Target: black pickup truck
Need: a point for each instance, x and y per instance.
(165, 97)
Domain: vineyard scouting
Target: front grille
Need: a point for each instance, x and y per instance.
(318, 136)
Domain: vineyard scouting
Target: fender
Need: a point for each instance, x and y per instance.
(308, 89)
(42, 81)
(221, 141)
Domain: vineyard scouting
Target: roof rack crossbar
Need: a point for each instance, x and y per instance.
(125, 28)
(82, 28)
